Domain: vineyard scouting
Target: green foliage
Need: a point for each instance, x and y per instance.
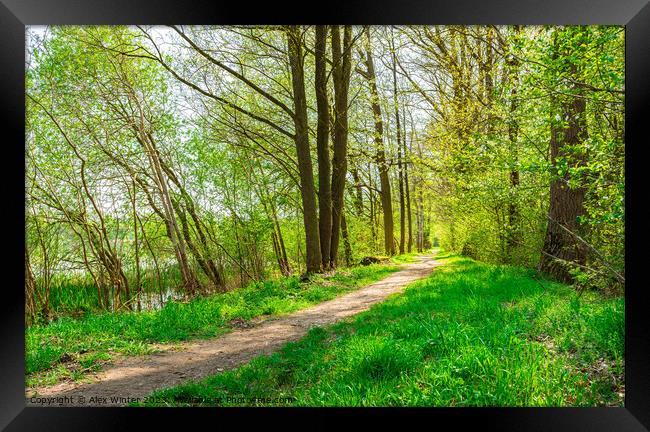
(133, 333)
(474, 149)
(470, 335)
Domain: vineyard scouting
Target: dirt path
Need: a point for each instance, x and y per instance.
(136, 377)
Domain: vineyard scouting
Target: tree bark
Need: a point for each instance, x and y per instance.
(190, 283)
(204, 255)
(346, 241)
(402, 216)
(380, 155)
(419, 216)
(301, 138)
(341, 76)
(146, 140)
(408, 193)
(560, 248)
(322, 146)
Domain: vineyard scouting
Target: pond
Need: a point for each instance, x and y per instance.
(153, 300)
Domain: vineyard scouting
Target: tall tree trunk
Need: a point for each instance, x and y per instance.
(562, 249)
(341, 76)
(301, 138)
(402, 216)
(380, 155)
(372, 202)
(276, 250)
(419, 220)
(148, 143)
(322, 147)
(190, 283)
(402, 204)
(206, 265)
(408, 192)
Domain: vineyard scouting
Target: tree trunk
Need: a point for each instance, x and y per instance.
(301, 138)
(561, 249)
(341, 75)
(372, 202)
(402, 216)
(322, 147)
(286, 267)
(346, 241)
(207, 263)
(408, 194)
(380, 156)
(419, 220)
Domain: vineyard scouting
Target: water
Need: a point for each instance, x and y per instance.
(150, 300)
(154, 300)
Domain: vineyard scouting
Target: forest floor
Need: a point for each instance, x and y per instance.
(130, 379)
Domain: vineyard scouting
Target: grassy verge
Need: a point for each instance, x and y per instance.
(67, 347)
(469, 335)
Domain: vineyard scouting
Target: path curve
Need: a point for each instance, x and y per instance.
(136, 377)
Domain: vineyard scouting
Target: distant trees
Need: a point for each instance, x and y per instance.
(517, 115)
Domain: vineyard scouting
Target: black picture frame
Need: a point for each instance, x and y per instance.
(634, 14)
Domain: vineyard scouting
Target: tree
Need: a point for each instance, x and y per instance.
(398, 128)
(568, 133)
(341, 75)
(301, 138)
(380, 155)
(322, 147)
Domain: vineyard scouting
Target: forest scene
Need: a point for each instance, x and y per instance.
(325, 216)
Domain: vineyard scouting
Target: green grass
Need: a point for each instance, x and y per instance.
(91, 340)
(76, 296)
(469, 335)
(405, 258)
